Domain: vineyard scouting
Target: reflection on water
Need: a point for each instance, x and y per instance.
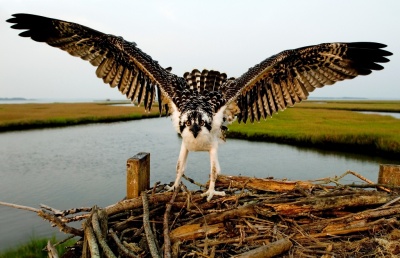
(85, 166)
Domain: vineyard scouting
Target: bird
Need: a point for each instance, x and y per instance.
(202, 104)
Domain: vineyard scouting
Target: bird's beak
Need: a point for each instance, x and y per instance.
(195, 129)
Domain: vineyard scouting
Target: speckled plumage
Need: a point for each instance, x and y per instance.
(203, 103)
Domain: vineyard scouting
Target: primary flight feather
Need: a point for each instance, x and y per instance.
(203, 103)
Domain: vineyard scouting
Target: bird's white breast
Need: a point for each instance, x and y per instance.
(205, 140)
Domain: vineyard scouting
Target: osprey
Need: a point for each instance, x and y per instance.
(202, 104)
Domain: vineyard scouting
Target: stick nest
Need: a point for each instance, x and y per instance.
(256, 218)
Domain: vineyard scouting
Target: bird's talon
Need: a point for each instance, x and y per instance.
(211, 193)
(169, 188)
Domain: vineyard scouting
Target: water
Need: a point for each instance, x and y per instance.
(392, 114)
(82, 166)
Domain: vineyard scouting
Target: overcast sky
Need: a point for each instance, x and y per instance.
(229, 36)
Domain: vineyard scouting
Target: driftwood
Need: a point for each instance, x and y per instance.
(256, 218)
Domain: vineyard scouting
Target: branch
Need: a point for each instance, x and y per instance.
(57, 222)
(98, 232)
(146, 224)
(27, 208)
(135, 203)
(270, 250)
(90, 239)
(121, 247)
(167, 240)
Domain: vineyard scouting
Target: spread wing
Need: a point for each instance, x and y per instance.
(119, 62)
(287, 78)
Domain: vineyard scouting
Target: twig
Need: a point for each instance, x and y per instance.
(146, 223)
(65, 212)
(45, 207)
(364, 179)
(390, 203)
(369, 226)
(234, 240)
(51, 251)
(98, 232)
(27, 208)
(153, 191)
(167, 240)
(193, 182)
(121, 247)
(75, 218)
(61, 241)
(269, 250)
(57, 222)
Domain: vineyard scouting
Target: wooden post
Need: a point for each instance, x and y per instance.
(389, 174)
(137, 174)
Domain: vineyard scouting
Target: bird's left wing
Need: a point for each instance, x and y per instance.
(287, 78)
(119, 62)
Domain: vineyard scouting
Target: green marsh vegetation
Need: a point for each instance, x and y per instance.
(33, 116)
(331, 125)
(34, 248)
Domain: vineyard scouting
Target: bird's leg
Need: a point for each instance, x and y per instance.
(180, 167)
(215, 170)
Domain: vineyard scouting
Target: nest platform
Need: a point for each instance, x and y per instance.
(256, 218)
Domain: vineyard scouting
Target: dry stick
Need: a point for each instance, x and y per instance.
(234, 240)
(55, 211)
(198, 254)
(27, 208)
(47, 216)
(97, 230)
(167, 240)
(269, 250)
(125, 250)
(369, 226)
(146, 224)
(120, 226)
(137, 202)
(75, 218)
(65, 212)
(61, 242)
(390, 203)
(153, 191)
(90, 239)
(363, 215)
(57, 221)
(364, 179)
(51, 251)
(193, 182)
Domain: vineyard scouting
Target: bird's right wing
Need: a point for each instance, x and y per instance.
(119, 62)
(287, 78)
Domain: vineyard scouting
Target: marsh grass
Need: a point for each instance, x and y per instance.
(357, 105)
(32, 116)
(328, 128)
(34, 248)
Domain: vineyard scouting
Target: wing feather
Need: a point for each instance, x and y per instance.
(119, 62)
(132, 88)
(125, 81)
(108, 78)
(288, 77)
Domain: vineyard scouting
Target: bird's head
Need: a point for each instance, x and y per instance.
(195, 121)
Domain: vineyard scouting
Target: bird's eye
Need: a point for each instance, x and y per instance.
(188, 123)
(202, 123)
